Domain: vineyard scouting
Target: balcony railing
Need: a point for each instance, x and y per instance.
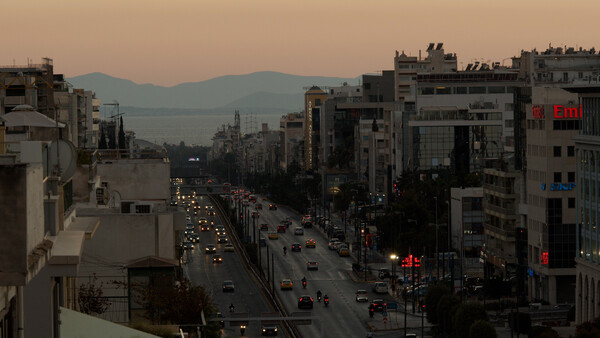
(499, 189)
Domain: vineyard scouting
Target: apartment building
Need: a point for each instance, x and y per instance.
(291, 148)
(313, 98)
(467, 229)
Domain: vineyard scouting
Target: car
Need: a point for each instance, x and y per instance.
(380, 287)
(298, 231)
(220, 230)
(264, 226)
(262, 242)
(362, 296)
(204, 227)
(332, 243)
(272, 206)
(259, 206)
(379, 305)
(287, 284)
(312, 265)
(305, 302)
(217, 258)
(306, 221)
(187, 246)
(228, 286)
(269, 330)
(273, 235)
(202, 220)
(188, 232)
(222, 239)
(281, 228)
(194, 238)
(210, 249)
(310, 243)
(228, 247)
(343, 251)
(296, 247)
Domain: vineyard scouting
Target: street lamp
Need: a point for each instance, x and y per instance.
(437, 254)
(393, 258)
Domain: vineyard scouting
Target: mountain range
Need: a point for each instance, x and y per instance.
(261, 92)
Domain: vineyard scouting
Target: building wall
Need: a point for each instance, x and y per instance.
(551, 208)
(142, 179)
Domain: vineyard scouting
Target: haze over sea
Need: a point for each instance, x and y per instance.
(194, 129)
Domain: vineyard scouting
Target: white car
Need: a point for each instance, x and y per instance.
(362, 296)
(380, 287)
(299, 231)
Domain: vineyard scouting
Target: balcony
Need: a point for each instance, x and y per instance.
(510, 212)
(507, 192)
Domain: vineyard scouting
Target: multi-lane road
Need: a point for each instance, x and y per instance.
(344, 317)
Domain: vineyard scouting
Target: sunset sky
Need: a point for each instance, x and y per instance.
(168, 42)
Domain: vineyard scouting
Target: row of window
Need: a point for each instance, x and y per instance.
(466, 90)
(563, 124)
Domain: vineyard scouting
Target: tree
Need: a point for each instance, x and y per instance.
(112, 139)
(482, 329)
(446, 308)
(432, 298)
(520, 322)
(102, 142)
(467, 314)
(122, 143)
(91, 298)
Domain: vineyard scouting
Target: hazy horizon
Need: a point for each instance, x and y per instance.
(167, 43)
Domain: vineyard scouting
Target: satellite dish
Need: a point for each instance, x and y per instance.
(62, 155)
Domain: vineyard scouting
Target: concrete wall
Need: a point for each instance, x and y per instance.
(22, 225)
(121, 238)
(137, 179)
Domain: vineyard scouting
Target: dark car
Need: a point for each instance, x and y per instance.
(264, 226)
(281, 228)
(378, 304)
(262, 242)
(296, 247)
(272, 206)
(228, 286)
(305, 302)
(269, 330)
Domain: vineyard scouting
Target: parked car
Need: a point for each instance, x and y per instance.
(332, 243)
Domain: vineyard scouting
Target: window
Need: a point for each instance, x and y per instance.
(571, 176)
(443, 90)
(367, 85)
(565, 76)
(571, 202)
(426, 91)
(477, 90)
(557, 177)
(460, 90)
(557, 151)
(570, 151)
(317, 102)
(496, 90)
(509, 123)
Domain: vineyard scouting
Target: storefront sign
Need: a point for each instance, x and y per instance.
(538, 112)
(562, 112)
(560, 186)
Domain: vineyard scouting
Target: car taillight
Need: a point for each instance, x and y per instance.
(311, 299)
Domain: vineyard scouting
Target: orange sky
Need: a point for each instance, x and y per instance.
(167, 42)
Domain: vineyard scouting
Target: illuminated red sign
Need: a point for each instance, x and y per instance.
(544, 258)
(411, 261)
(562, 112)
(538, 112)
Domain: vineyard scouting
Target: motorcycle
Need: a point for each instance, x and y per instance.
(304, 284)
(326, 301)
(371, 312)
(242, 329)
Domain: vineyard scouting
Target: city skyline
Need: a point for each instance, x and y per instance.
(169, 43)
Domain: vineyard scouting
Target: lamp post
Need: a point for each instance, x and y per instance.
(393, 258)
(437, 253)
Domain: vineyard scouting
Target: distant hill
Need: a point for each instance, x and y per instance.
(271, 91)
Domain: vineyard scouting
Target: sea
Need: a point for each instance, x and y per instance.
(194, 129)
